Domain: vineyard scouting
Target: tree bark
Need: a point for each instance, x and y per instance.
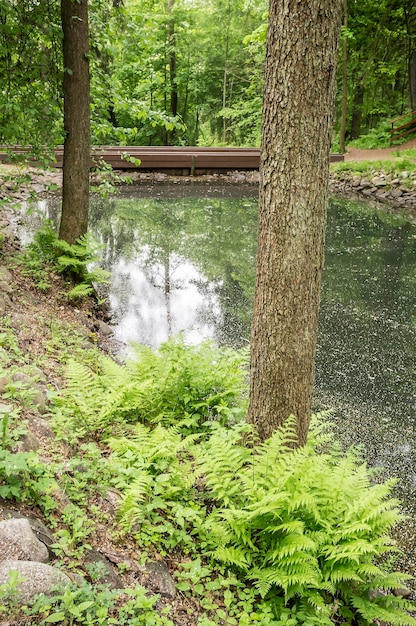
(357, 113)
(344, 101)
(298, 110)
(76, 88)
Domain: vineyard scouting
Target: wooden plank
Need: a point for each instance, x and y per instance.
(190, 158)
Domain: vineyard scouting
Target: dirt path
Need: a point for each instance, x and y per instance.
(355, 154)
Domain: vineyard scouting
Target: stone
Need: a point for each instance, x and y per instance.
(18, 542)
(106, 575)
(29, 443)
(379, 181)
(356, 181)
(395, 193)
(402, 592)
(5, 303)
(39, 399)
(42, 532)
(160, 579)
(41, 427)
(103, 328)
(6, 287)
(37, 578)
(5, 275)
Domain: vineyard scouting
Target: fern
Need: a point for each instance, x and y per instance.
(303, 523)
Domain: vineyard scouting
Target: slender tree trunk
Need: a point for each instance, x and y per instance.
(172, 68)
(76, 88)
(344, 83)
(412, 80)
(357, 113)
(301, 57)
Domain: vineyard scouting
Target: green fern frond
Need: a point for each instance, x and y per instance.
(80, 291)
(232, 556)
(393, 614)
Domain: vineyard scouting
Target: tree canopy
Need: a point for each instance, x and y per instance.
(189, 72)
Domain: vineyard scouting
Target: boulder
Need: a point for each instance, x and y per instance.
(18, 542)
(36, 578)
(160, 579)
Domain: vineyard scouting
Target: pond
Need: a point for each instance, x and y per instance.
(182, 258)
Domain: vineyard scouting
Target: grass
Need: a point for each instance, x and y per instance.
(394, 166)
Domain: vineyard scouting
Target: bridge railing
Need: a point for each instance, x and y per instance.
(405, 128)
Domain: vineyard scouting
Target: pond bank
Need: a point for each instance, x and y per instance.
(395, 189)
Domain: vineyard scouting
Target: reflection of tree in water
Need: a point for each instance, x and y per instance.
(216, 236)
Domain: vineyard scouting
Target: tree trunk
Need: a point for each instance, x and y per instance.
(357, 113)
(76, 88)
(344, 83)
(298, 109)
(172, 70)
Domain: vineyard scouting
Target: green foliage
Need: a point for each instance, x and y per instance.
(308, 525)
(86, 605)
(181, 385)
(377, 137)
(24, 478)
(71, 541)
(9, 597)
(369, 168)
(76, 262)
(154, 470)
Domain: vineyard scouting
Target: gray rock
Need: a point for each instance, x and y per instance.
(18, 542)
(39, 399)
(160, 579)
(41, 427)
(6, 287)
(379, 181)
(5, 303)
(42, 532)
(19, 320)
(106, 574)
(29, 443)
(396, 193)
(104, 329)
(4, 382)
(37, 578)
(5, 275)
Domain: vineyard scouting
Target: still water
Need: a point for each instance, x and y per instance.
(182, 258)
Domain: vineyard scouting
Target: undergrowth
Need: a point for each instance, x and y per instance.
(77, 263)
(256, 533)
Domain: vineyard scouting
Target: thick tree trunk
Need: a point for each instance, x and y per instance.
(298, 108)
(76, 88)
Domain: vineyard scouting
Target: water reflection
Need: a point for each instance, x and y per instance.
(183, 258)
(180, 262)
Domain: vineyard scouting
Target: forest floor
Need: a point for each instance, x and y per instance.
(35, 317)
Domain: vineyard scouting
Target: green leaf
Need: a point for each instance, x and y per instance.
(55, 618)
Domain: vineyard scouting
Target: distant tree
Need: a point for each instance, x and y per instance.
(76, 89)
(301, 59)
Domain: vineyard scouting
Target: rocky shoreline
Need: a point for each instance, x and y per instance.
(391, 189)
(381, 187)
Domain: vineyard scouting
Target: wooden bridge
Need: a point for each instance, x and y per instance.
(193, 160)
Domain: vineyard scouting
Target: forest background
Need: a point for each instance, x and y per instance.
(187, 72)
